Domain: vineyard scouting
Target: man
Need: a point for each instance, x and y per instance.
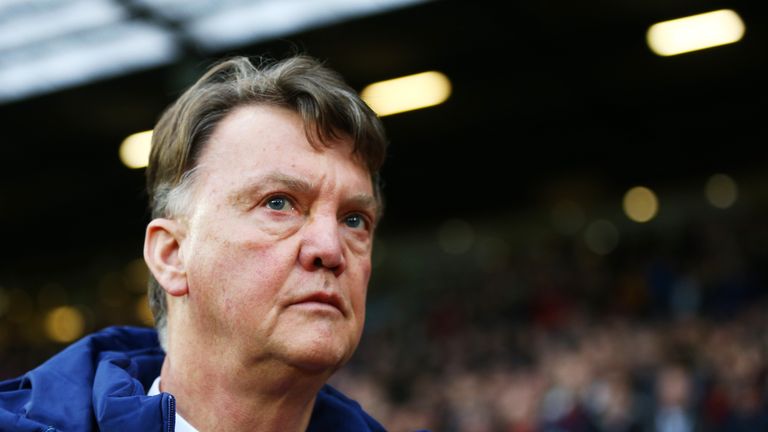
(263, 185)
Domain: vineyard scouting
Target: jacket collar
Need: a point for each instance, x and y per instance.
(100, 383)
(101, 379)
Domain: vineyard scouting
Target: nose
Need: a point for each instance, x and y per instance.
(321, 245)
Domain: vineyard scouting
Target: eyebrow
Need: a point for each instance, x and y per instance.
(365, 201)
(256, 184)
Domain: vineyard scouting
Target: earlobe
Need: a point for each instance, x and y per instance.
(162, 252)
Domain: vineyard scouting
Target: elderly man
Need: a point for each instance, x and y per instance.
(263, 185)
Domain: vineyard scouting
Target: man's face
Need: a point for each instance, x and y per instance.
(278, 243)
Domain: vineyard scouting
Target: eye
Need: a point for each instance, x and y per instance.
(355, 220)
(279, 203)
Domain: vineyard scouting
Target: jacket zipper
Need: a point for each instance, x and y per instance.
(171, 413)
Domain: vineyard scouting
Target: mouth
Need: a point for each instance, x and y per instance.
(321, 301)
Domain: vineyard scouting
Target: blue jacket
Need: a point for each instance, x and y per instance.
(100, 382)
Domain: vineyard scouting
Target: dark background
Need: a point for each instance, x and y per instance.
(551, 100)
(544, 92)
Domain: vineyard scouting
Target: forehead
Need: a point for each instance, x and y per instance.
(255, 138)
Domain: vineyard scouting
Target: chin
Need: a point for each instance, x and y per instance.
(318, 355)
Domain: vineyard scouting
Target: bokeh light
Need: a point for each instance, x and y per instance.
(601, 237)
(407, 93)
(134, 151)
(64, 324)
(695, 32)
(640, 204)
(721, 191)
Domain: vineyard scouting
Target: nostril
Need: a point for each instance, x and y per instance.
(319, 264)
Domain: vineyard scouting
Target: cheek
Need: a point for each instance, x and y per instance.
(360, 286)
(366, 270)
(359, 244)
(239, 273)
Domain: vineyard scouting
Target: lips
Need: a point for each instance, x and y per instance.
(322, 298)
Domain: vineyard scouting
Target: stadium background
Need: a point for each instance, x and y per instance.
(511, 292)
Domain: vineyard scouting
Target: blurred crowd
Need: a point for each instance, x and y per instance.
(668, 338)
(610, 375)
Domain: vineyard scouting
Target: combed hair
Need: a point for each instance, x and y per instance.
(329, 108)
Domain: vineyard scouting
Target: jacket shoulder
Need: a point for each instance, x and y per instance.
(334, 411)
(60, 391)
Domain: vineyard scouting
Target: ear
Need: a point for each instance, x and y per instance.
(162, 252)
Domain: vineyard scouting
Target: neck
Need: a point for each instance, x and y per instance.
(214, 393)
